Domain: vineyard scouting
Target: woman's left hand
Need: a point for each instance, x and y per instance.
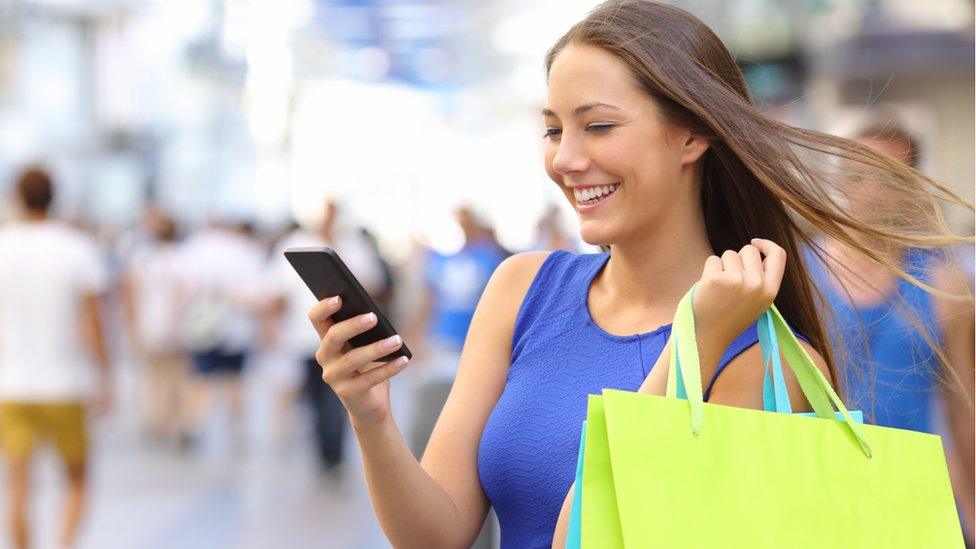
(737, 288)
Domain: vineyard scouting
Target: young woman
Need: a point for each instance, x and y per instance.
(652, 137)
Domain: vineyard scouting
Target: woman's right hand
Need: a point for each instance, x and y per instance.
(361, 383)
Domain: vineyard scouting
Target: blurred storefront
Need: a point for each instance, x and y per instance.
(258, 108)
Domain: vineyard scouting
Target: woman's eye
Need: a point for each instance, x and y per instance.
(599, 128)
(552, 132)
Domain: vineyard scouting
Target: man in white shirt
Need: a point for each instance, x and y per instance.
(51, 277)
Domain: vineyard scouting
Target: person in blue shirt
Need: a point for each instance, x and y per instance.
(453, 284)
(651, 135)
(889, 332)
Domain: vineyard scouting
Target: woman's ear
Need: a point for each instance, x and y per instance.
(693, 148)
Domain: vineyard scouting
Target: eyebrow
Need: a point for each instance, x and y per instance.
(582, 108)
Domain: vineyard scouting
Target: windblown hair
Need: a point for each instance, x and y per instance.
(760, 177)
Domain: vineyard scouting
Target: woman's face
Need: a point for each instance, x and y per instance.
(610, 151)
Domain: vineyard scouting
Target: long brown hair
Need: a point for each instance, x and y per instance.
(761, 178)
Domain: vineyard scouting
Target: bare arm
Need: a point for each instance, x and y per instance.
(270, 320)
(93, 336)
(957, 322)
(130, 305)
(438, 502)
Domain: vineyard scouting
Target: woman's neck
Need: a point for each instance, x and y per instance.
(656, 271)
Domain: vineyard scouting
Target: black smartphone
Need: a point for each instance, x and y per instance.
(326, 275)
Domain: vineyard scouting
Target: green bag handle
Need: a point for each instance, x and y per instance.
(686, 365)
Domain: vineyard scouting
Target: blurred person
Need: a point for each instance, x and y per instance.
(152, 291)
(453, 285)
(222, 274)
(51, 279)
(551, 233)
(286, 372)
(652, 136)
(289, 312)
(386, 290)
(892, 330)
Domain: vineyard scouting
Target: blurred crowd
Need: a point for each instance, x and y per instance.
(191, 310)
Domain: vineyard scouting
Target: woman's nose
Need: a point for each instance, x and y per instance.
(570, 156)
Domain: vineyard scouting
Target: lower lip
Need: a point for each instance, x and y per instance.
(589, 207)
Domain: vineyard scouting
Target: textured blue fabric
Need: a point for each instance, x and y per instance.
(888, 368)
(528, 450)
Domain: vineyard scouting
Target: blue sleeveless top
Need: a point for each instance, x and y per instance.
(527, 455)
(889, 371)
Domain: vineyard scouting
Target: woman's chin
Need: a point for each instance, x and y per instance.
(595, 236)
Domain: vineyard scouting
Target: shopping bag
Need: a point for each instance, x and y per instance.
(665, 472)
(775, 399)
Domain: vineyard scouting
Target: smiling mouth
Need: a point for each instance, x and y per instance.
(593, 195)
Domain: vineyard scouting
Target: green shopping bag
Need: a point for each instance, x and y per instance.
(775, 399)
(665, 472)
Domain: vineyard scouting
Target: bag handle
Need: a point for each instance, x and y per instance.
(776, 398)
(686, 367)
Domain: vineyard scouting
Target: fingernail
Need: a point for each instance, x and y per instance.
(401, 362)
(391, 342)
(368, 319)
(333, 301)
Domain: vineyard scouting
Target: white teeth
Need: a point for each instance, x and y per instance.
(589, 193)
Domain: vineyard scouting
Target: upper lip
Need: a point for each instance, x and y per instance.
(593, 186)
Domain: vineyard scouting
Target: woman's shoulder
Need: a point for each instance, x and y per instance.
(502, 298)
(518, 278)
(517, 272)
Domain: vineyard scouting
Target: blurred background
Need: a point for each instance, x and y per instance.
(399, 131)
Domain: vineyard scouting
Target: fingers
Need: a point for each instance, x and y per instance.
(366, 358)
(378, 375)
(774, 264)
(713, 266)
(321, 314)
(752, 269)
(732, 267)
(748, 269)
(340, 333)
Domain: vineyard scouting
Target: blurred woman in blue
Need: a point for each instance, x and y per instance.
(888, 333)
